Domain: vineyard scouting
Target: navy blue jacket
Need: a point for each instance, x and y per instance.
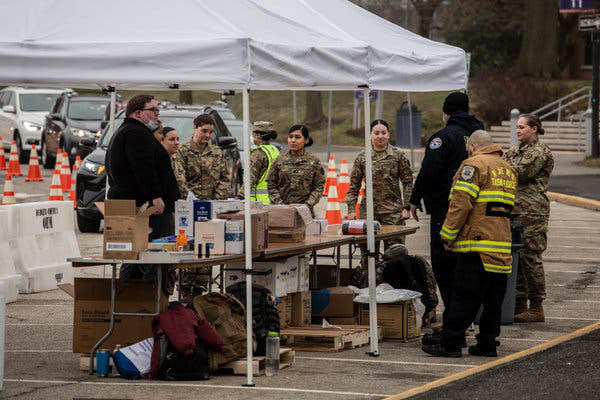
(445, 150)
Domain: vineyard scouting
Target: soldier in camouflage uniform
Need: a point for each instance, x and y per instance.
(200, 168)
(392, 187)
(296, 176)
(534, 163)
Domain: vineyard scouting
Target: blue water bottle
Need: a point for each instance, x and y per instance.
(102, 362)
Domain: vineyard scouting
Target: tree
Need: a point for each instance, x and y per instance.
(425, 9)
(539, 47)
(314, 110)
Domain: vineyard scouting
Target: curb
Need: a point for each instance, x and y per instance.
(504, 360)
(575, 201)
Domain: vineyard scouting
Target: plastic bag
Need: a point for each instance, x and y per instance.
(385, 293)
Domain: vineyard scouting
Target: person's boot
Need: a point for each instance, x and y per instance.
(483, 351)
(435, 338)
(534, 314)
(442, 351)
(520, 306)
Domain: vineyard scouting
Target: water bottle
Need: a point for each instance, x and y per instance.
(272, 356)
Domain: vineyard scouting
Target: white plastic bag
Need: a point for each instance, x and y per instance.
(385, 293)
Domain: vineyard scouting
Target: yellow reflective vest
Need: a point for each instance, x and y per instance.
(259, 192)
(481, 199)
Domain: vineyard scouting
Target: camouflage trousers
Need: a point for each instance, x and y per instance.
(360, 274)
(531, 284)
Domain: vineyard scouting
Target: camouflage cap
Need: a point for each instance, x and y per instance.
(263, 126)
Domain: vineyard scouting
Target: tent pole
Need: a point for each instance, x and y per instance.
(111, 123)
(410, 131)
(329, 110)
(370, 231)
(247, 233)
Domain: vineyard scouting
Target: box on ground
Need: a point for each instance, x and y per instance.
(326, 276)
(284, 309)
(397, 320)
(125, 228)
(303, 274)
(91, 312)
(333, 302)
(259, 222)
(210, 233)
(301, 308)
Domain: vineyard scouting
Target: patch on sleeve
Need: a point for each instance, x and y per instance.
(435, 143)
(467, 173)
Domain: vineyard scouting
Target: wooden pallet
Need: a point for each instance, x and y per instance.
(240, 367)
(316, 338)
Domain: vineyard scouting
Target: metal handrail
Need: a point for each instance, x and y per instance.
(561, 106)
(585, 88)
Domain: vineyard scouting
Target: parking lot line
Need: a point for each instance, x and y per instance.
(370, 361)
(504, 360)
(195, 385)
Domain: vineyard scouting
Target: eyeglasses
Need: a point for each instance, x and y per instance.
(153, 109)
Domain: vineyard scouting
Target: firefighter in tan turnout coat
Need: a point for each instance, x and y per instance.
(477, 228)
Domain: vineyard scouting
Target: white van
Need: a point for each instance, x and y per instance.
(22, 112)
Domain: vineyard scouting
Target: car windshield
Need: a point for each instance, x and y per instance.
(88, 110)
(226, 114)
(237, 131)
(33, 102)
(182, 124)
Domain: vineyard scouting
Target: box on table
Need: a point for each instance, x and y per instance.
(125, 228)
(287, 223)
(287, 237)
(259, 222)
(301, 308)
(184, 217)
(210, 232)
(91, 312)
(234, 237)
(397, 320)
(333, 302)
(284, 309)
(303, 274)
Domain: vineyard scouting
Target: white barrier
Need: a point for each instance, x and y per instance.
(8, 274)
(42, 238)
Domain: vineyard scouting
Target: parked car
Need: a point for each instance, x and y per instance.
(22, 112)
(91, 177)
(72, 118)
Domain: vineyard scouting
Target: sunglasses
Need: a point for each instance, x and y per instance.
(153, 109)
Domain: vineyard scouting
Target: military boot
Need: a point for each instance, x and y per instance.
(520, 306)
(534, 314)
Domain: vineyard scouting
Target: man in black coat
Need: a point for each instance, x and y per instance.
(139, 168)
(445, 150)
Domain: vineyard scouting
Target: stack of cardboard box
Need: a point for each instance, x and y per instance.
(287, 223)
(333, 304)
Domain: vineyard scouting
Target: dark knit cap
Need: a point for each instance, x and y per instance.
(455, 102)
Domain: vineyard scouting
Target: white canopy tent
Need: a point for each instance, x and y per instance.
(225, 44)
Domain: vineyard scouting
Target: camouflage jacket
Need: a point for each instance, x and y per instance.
(534, 163)
(296, 179)
(203, 171)
(390, 167)
(258, 165)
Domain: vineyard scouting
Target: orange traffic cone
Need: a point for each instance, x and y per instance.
(8, 197)
(333, 215)
(361, 196)
(73, 187)
(55, 190)
(331, 176)
(14, 168)
(2, 160)
(344, 183)
(65, 174)
(58, 163)
(77, 163)
(33, 174)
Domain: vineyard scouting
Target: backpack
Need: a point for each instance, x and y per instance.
(180, 367)
(228, 316)
(265, 317)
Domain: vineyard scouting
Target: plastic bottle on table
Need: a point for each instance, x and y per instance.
(181, 240)
(272, 354)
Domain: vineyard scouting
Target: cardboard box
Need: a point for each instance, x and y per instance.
(397, 320)
(202, 210)
(342, 320)
(210, 233)
(291, 216)
(301, 308)
(232, 277)
(234, 237)
(276, 236)
(125, 229)
(259, 222)
(91, 312)
(284, 309)
(292, 280)
(313, 228)
(326, 276)
(184, 217)
(275, 278)
(226, 206)
(333, 302)
(303, 274)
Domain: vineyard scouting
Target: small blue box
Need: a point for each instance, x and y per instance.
(202, 210)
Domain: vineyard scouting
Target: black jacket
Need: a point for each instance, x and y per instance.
(445, 150)
(139, 167)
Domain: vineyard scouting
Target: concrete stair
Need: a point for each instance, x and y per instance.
(571, 137)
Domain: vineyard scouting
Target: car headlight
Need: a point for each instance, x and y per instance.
(32, 126)
(80, 132)
(91, 167)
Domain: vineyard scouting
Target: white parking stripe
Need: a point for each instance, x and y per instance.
(573, 319)
(370, 361)
(195, 385)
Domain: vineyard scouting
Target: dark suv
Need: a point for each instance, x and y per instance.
(91, 176)
(72, 118)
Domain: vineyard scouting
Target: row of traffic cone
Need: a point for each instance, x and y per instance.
(344, 183)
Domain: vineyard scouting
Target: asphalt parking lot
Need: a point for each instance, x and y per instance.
(39, 363)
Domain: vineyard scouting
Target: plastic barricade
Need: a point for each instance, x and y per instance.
(43, 238)
(8, 274)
